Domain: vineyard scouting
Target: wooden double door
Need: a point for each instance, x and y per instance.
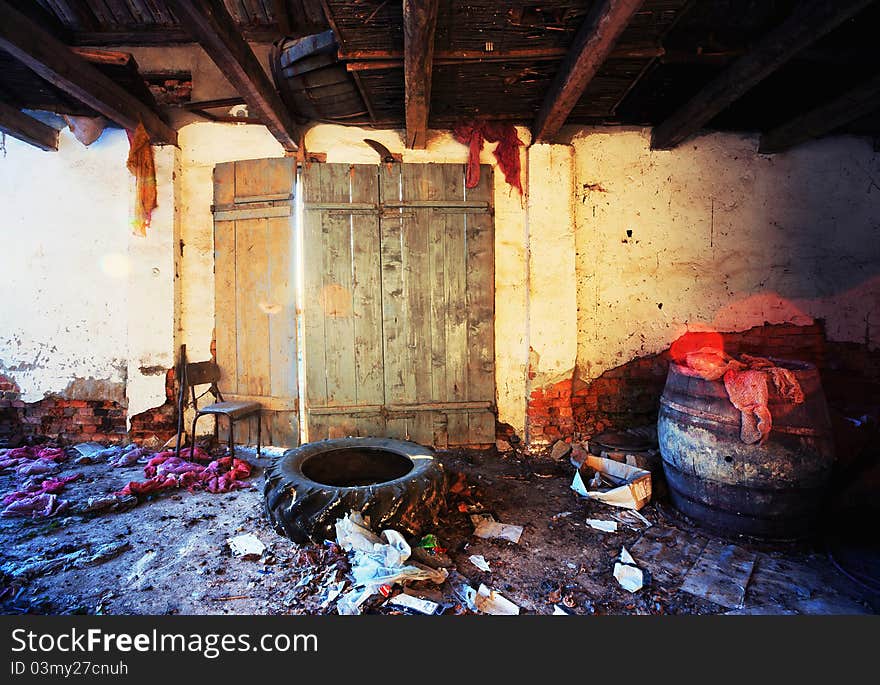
(370, 301)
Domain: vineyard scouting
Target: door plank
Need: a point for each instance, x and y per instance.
(419, 182)
(252, 322)
(394, 311)
(313, 247)
(367, 291)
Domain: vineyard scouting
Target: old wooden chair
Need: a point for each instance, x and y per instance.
(205, 373)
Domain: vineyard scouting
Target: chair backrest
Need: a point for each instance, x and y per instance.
(203, 373)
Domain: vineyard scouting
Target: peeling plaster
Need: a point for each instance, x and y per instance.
(722, 237)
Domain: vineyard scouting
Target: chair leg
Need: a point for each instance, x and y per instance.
(259, 428)
(231, 438)
(192, 447)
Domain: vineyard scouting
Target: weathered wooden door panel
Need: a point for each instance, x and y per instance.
(255, 304)
(342, 301)
(399, 303)
(438, 298)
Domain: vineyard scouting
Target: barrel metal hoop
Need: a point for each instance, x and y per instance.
(709, 416)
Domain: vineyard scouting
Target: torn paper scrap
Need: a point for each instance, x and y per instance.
(629, 577)
(491, 602)
(578, 485)
(479, 561)
(627, 573)
(247, 546)
(599, 524)
(485, 526)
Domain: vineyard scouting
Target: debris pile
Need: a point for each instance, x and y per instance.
(167, 471)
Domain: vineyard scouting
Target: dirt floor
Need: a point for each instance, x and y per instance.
(169, 555)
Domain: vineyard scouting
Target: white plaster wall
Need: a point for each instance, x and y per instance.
(204, 145)
(552, 315)
(86, 303)
(723, 238)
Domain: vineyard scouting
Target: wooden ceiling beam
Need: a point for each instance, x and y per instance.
(55, 62)
(808, 23)
(19, 125)
(282, 16)
(593, 44)
(163, 35)
(419, 25)
(210, 24)
(856, 103)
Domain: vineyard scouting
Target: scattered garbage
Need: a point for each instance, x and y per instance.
(129, 456)
(88, 449)
(431, 545)
(247, 546)
(630, 576)
(375, 561)
(36, 506)
(630, 486)
(560, 515)
(559, 611)
(485, 526)
(491, 602)
(420, 606)
(480, 562)
(36, 457)
(632, 519)
(561, 450)
(41, 565)
(168, 471)
(606, 526)
(107, 503)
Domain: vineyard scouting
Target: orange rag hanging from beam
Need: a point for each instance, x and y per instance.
(141, 165)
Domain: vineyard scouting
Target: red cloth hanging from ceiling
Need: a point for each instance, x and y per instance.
(506, 152)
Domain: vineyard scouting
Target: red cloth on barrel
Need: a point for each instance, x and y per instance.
(506, 152)
(746, 382)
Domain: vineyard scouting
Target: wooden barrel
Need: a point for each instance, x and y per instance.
(767, 491)
(311, 80)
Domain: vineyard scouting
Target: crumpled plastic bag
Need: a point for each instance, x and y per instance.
(376, 561)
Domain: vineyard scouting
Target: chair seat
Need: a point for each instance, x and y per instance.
(231, 409)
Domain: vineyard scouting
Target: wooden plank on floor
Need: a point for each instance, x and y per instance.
(668, 553)
(721, 574)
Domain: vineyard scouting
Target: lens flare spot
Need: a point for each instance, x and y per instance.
(115, 265)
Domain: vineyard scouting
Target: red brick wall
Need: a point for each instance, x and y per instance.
(629, 395)
(160, 421)
(82, 420)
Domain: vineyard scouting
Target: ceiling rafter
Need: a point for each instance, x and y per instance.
(59, 65)
(808, 23)
(594, 42)
(209, 22)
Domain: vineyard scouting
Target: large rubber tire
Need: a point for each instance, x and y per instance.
(303, 509)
